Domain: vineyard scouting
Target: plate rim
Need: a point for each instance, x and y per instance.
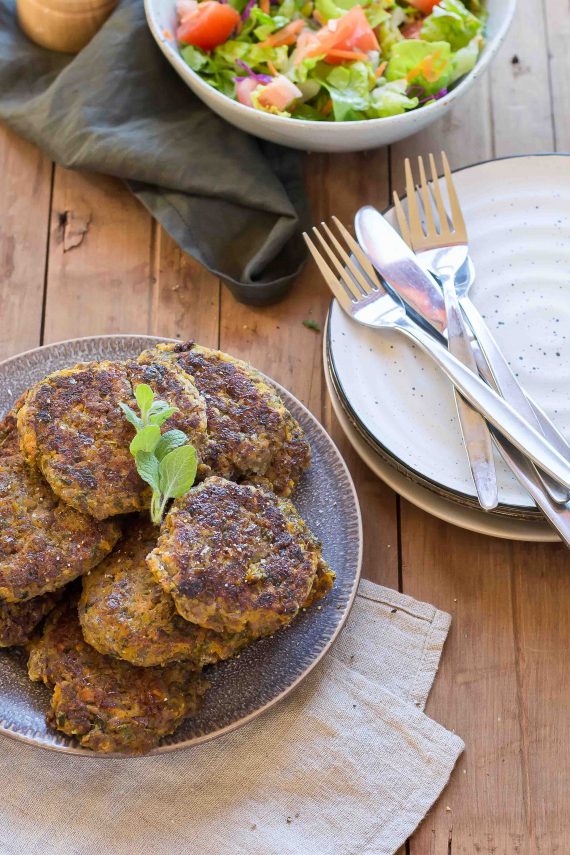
(358, 442)
(64, 748)
(526, 512)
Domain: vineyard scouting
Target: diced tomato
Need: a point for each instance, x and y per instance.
(424, 6)
(350, 34)
(244, 88)
(412, 31)
(279, 93)
(210, 25)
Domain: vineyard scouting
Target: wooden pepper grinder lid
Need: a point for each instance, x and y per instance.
(63, 25)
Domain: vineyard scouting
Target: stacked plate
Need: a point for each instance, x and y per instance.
(398, 410)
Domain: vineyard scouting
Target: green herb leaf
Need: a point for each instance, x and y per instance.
(148, 468)
(312, 325)
(145, 397)
(159, 415)
(177, 471)
(131, 416)
(145, 439)
(168, 441)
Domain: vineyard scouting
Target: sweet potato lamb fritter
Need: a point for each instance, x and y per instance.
(44, 544)
(73, 430)
(235, 558)
(107, 704)
(250, 431)
(19, 620)
(124, 612)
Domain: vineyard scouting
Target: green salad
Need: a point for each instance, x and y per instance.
(331, 60)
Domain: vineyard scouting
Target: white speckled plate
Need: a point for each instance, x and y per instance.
(517, 212)
(492, 525)
(267, 671)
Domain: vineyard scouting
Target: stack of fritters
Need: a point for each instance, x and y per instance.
(232, 562)
(44, 544)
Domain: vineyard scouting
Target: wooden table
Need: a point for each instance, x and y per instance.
(79, 256)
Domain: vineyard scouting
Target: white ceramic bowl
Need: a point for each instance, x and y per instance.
(323, 136)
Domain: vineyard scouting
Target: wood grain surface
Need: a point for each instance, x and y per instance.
(79, 256)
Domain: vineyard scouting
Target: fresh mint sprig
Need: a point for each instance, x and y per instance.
(167, 462)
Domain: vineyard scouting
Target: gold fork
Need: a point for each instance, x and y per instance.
(443, 247)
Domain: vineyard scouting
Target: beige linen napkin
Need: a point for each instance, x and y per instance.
(347, 765)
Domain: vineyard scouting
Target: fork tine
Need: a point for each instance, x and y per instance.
(353, 291)
(358, 252)
(426, 202)
(360, 280)
(402, 221)
(448, 220)
(444, 228)
(413, 211)
(456, 215)
(329, 277)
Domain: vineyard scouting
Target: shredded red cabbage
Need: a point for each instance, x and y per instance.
(247, 11)
(262, 78)
(419, 92)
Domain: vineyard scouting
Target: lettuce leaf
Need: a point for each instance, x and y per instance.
(390, 100)
(451, 22)
(349, 88)
(389, 34)
(255, 55)
(464, 60)
(424, 64)
(196, 58)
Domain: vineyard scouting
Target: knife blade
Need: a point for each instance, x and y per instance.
(399, 267)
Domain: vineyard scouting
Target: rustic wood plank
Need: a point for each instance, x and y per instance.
(112, 269)
(541, 615)
(521, 104)
(558, 38)
(493, 801)
(24, 221)
(464, 132)
(476, 691)
(99, 276)
(275, 340)
(186, 297)
(482, 806)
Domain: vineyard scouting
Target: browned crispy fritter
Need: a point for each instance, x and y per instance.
(19, 620)
(44, 543)
(73, 430)
(237, 558)
(107, 704)
(250, 431)
(124, 612)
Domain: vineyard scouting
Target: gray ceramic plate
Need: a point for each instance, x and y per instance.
(265, 673)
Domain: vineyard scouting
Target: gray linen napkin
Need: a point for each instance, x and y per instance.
(235, 203)
(347, 765)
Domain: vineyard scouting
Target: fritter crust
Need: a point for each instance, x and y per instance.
(73, 430)
(44, 543)
(250, 431)
(236, 558)
(19, 620)
(124, 612)
(107, 704)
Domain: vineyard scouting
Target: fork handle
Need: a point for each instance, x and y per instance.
(523, 470)
(476, 436)
(495, 409)
(511, 390)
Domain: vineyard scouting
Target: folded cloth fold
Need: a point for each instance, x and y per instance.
(348, 764)
(233, 202)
